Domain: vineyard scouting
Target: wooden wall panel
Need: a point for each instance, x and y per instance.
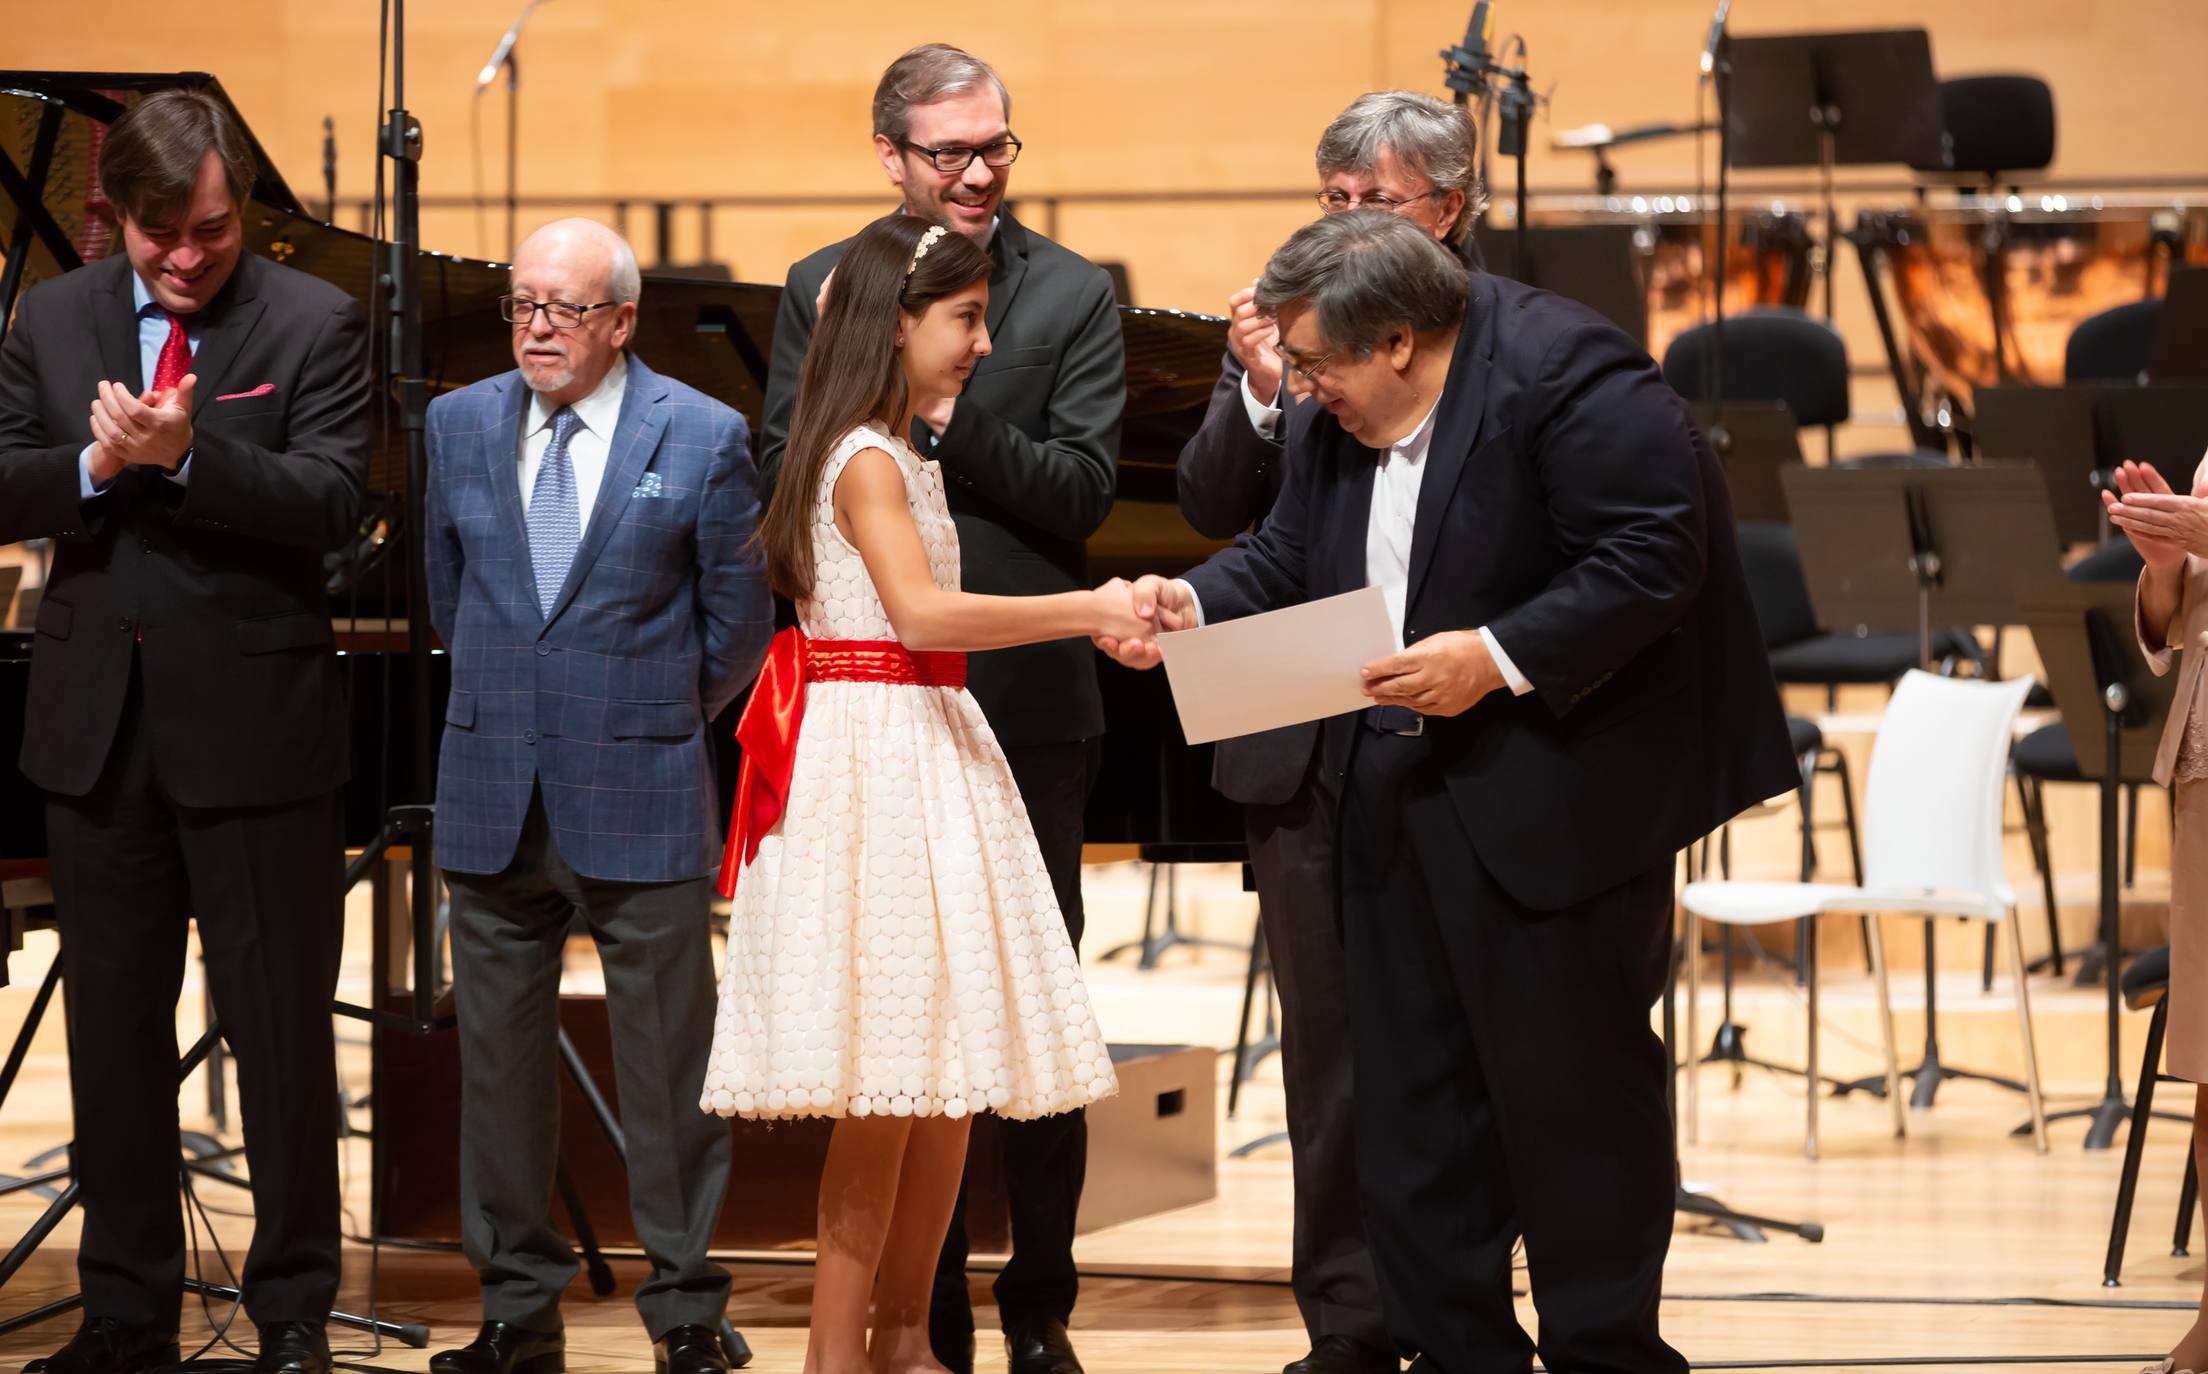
(714, 97)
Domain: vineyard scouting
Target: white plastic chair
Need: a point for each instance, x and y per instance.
(1931, 847)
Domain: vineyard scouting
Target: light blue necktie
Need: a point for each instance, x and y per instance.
(555, 528)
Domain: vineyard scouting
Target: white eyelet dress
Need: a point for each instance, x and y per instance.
(896, 948)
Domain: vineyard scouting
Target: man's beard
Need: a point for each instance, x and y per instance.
(551, 381)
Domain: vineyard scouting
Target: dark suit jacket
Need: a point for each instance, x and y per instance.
(1030, 461)
(663, 619)
(1569, 506)
(1229, 476)
(223, 577)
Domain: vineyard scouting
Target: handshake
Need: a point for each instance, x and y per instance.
(1440, 675)
(1130, 615)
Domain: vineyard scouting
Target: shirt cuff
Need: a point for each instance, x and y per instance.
(183, 474)
(1517, 680)
(1264, 417)
(1195, 603)
(86, 487)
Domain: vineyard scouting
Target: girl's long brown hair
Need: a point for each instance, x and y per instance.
(853, 374)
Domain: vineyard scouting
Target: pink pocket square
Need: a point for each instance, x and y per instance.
(264, 389)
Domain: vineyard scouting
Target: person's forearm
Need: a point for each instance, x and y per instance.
(945, 620)
(2159, 592)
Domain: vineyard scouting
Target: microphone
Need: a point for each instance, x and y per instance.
(1717, 36)
(1466, 65)
(504, 52)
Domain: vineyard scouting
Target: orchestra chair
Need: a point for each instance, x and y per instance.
(2114, 345)
(2147, 984)
(1783, 355)
(1932, 833)
(1994, 125)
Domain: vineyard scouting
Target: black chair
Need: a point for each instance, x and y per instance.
(2114, 345)
(1776, 353)
(1993, 125)
(2147, 984)
(1801, 652)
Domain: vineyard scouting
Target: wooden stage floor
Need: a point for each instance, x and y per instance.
(1957, 1246)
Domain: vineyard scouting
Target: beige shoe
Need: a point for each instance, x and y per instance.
(2164, 1367)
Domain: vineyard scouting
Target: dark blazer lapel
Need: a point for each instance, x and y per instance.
(233, 316)
(635, 438)
(1457, 428)
(1360, 471)
(115, 325)
(501, 454)
(1010, 252)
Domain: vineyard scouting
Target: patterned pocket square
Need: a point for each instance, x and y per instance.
(650, 485)
(264, 389)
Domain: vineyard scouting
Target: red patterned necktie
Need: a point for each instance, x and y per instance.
(175, 359)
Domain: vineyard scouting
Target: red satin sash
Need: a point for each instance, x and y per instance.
(769, 728)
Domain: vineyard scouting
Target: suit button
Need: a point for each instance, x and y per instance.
(122, 622)
(528, 737)
(145, 546)
(544, 650)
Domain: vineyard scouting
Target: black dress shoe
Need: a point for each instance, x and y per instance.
(293, 1348)
(503, 1348)
(951, 1337)
(104, 1345)
(1341, 1355)
(1040, 1347)
(690, 1349)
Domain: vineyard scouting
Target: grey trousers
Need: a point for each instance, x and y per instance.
(507, 933)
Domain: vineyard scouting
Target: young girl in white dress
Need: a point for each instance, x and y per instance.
(896, 956)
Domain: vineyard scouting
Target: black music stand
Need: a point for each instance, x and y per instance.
(1597, 265)
(1896, 548)
(1825, 100)
(1754, 442)
(2179, 350)
(2094, 668)
(2078, 435)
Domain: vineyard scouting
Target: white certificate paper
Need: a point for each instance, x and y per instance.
(1280, 668)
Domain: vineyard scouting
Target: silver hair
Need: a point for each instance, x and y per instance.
(923, 76)
(1363, 273)
(1437, 140)
(624, 281)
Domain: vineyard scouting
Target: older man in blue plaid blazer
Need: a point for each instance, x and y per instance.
(593, 575)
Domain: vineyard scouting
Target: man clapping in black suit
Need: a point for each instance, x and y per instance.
(189, 424)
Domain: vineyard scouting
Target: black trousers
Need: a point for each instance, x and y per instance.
(1508, 1085)
(508, 932)
(131, 868)
(1046, 1160)
(1292, 850)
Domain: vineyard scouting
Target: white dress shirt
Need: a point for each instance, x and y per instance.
(1400, 471)
(587, 448)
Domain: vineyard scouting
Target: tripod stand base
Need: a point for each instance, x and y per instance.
(1926, 1079)
(2107, 1116)
(1691, 1201)
(1263, 1142)
(1728, 1046)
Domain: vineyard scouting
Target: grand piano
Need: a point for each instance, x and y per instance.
(714, 335)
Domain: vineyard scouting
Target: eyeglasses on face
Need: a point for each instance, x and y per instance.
(1002, 153)
(1334, 202)
(560, 314)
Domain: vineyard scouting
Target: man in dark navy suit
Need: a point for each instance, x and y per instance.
(1582, 691)
(188, 423)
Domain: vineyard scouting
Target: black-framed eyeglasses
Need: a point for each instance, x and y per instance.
(1334, 202)
(1002, 153)
(560, 314)
(1308, 371)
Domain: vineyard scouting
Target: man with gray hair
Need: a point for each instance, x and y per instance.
(1413, 156)
(593, 575)
(1029, 454)
(1582, 692)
